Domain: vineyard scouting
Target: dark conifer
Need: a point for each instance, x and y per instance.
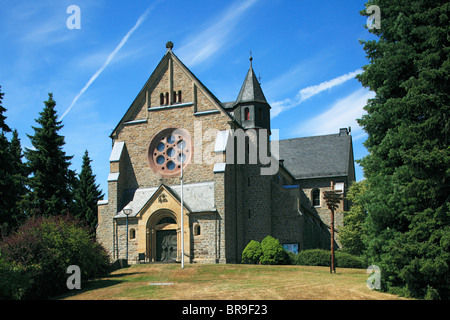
(51, 181)
(407, 169)
(87, 194)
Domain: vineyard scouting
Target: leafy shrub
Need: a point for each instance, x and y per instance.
(320, 257)
(273, 252)
(313, 257)
(252, 253)
(15, 279)
(347, 260)
(47, 246)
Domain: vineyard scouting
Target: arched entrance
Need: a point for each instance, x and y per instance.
(163, 236)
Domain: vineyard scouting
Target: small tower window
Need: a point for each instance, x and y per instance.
(247, 114)
(315, 195)
(259, 114)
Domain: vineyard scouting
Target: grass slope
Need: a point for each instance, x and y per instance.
(223, 282)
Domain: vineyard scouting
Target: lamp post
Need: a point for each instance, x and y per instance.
(127, 210)
(182, 205)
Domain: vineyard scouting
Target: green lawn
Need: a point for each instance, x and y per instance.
(223, 282)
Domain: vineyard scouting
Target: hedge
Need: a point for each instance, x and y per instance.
(320, 257)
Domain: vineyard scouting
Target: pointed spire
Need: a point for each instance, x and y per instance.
(251, 90)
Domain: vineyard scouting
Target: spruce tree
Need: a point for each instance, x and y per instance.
(19, 176)
(87, 194)
(3, 126)
(5, 173)
(51, 180)
(408, 126)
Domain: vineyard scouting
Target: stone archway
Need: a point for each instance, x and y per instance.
(163, 236)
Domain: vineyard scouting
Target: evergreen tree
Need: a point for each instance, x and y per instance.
(51, 180)
(3, 126)
(87, 194)
(408, 166)
(5, 173)
(19, 175)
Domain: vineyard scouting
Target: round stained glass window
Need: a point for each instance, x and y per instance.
(168, 150)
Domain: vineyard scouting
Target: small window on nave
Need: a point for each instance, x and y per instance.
(315, 197)
(197, 230)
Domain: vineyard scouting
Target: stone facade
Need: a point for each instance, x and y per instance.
(225, 205)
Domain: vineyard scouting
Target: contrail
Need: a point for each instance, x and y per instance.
(109, 59)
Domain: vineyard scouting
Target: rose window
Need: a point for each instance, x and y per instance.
(168, 150)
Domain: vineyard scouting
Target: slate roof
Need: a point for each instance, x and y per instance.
(251, 90)
(197, 197)
(318, 156)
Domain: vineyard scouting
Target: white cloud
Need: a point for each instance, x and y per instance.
(308, 92)
(202, 46)
(343, 113)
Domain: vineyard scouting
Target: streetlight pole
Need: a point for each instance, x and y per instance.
(127, 210)
(182, 209)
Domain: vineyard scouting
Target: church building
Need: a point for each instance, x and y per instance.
(239, 181)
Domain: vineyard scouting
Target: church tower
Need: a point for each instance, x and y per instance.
(251, 108)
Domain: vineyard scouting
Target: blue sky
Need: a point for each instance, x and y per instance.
(307, 54)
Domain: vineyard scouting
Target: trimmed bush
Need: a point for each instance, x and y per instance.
(42, 249)
(346, 260)
(320, 257)
(313, 257)
(273, 252)
(252, 253)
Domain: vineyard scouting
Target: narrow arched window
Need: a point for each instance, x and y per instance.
(315, 195)
(179, 96)
(174, 97)
(197, 230)
(132, 234)
(161, 99)
(167, 98)
(259, 114)
(247, 114)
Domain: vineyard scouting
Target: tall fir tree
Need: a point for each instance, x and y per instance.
(19, 175)
(408, 166)
(87, 194)
(51, 181)
(5, 172)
